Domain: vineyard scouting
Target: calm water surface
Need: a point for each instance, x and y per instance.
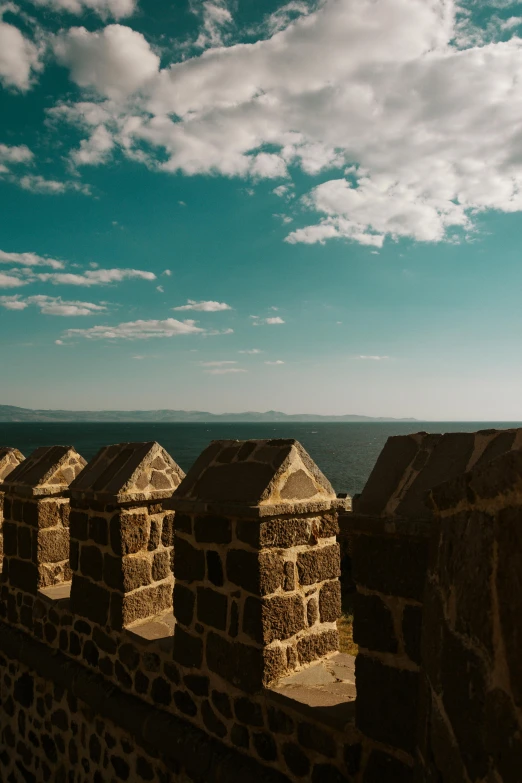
(345, 452)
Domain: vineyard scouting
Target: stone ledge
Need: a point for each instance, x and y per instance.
(351, 523)
(279, 510)
(324, 692)
(201, 756)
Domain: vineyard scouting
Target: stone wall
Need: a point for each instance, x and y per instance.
(185, 630)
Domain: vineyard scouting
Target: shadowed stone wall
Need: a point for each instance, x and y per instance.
(9, 459)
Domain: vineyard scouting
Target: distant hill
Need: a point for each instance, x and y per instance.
(10, 413)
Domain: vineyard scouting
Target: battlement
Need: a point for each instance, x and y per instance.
(206, 605)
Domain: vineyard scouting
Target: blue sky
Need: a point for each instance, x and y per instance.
(308, 207)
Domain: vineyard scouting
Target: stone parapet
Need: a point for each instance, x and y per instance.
(9, 459)
(36, 518)
(122, 531)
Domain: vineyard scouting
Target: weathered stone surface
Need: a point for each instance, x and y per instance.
(212, 529)
(24, 575)
(316, 645)
(312, 737)
(98, 530)
(140, 604)
(188, 649)
(237, 663)
(184, 602)
(393, 566)
(373, 624)
(189, 562)
(214, 568)
(330, 602)
(312, 611)
(91, 562)
(298, 486)
(79, 525)
(264, 745)
(386, 704)
(90, 600)
(211, 721)
(25, 548)
(160, 565)
(49, 470)
(282, 617)
(9, 530)
(508, 533)
(212, 608)
(248, 712)
(296, 761)
(136, 572)
(221, 702)
(129, 533)
(318, 564)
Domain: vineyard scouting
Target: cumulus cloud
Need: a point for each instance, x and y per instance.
(138, 330)
(116, 60)
(19, 154)
(104, 8)
(11, 281)
(20, 58)
(51, 305)
(95, 276)
(204, 307)
(29, 259)
(271, 321)
(420, 130)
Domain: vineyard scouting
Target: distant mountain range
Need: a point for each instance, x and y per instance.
(10, 413)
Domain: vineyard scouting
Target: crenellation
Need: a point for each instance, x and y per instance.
(197, 636)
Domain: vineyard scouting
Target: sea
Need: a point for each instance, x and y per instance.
(345, 451)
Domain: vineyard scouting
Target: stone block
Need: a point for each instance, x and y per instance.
(248, 712)
(99, 530)
(140, 604)
(182, 524)
(212, 608)
(129, 533)
(167, 530)
(296, 761)
(330, 602)
(393, 566)
(91, 562)
(315, 645)
(373, 624)
(25, 549)
(312, 611)
(160, 565)
(189, 562)
(387, 703)
(188, 649)
(258, 573)
(90, 600)
(274, 618)
(319, 564)
(154, 535)
(314, 738)
(289, 576)
(48, 512)
(184, 602)
(136, 573)
(212, 529)
(211, 721)
(79, 525)
(214, 568)
(237, 663)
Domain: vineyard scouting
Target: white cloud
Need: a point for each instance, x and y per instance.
(95, 149)
(160, 289)
(225, 370)
(19, 57)
(58, 342)
(95, 276)
(427, 132)
(272, 321)
(137, 330)
(29, 259)
(167, 272)
(216, 20)
(20, 154)
(104, 8)
(51, 305)
(116, 60)
(252, 351)
(217, 364)
(278, 361)
(205, 307)
(283, 218)
(38, 184)
(372, 358)
(11, 281)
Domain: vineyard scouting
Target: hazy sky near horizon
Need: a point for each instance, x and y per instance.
(227, 205)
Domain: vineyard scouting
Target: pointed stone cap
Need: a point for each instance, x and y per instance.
(409, 466)
(128, 472)
(9, 459)
(276, 475)
(47, 471)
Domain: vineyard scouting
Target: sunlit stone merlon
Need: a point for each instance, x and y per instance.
(49, 470)
(129, 471)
